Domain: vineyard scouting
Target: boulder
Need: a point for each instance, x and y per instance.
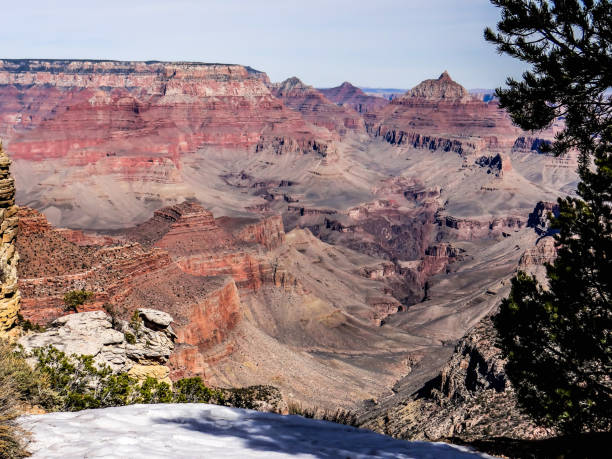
(163, 319)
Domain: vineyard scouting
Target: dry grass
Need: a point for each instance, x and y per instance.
(19, 386)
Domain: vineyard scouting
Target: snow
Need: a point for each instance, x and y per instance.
(210, 431)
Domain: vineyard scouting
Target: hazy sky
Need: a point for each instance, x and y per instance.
(378, 43)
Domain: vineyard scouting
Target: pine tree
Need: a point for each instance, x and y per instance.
(558, 339)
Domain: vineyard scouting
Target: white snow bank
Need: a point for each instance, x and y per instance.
(210, 431)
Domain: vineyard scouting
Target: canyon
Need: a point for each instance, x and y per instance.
(333, 244)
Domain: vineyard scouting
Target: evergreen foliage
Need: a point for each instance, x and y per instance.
(75, 298)
(78, 383)
(558, 338)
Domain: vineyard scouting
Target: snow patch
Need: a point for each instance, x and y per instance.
(200, 430)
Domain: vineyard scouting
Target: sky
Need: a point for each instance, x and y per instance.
(374, 43)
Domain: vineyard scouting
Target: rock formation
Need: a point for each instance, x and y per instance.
(9, 297)
(88, 104)
(441, 113)
(443, 88)
(134, 124)
(471, 397)
(140, 347)
(351, 96)
(538, 219)
(278, 230)
(316, 108)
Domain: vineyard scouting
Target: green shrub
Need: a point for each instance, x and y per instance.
(28, 325)
(79, 383)
(154, 391)
(136, 323)
(193, 390)
(252, 397)
(19, 385)
(131, 339)
(75, 298)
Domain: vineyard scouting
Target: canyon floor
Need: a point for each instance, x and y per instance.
(332, 244)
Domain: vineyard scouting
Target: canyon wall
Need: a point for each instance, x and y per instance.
(129, 112)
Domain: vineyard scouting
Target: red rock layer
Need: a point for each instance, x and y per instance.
(187, 228)
(211, 319)
(204, 246)
(198, 277)
(268, 232)
(193, 230)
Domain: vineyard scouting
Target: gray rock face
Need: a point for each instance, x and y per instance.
(115, 343)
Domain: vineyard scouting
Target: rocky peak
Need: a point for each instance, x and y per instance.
(443, 88)
(290, 84)
(349, 87)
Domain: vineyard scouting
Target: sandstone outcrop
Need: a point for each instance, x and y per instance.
(140, 347)
(9, 296)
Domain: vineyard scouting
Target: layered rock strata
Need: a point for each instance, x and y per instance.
(9, 296)
(441, 114)
(82, 110)
(471, 398)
